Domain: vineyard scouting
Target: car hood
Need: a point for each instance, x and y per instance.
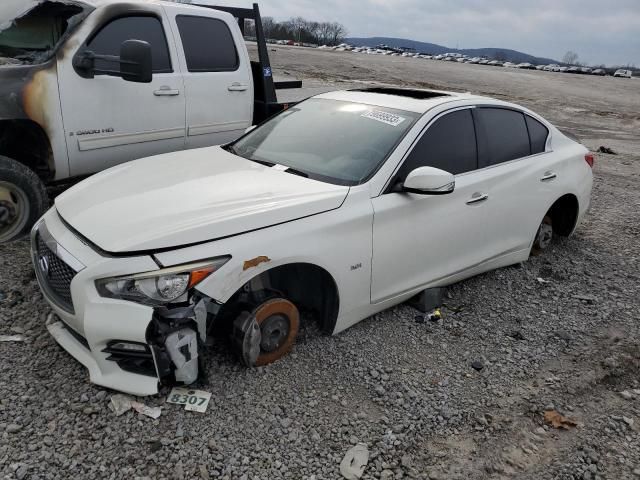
(188, 197)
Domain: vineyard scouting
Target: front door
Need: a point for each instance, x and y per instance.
(420, 239)
(108, 120)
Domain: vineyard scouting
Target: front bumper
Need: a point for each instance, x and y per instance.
(86, 329)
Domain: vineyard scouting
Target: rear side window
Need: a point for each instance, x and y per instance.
(147, 28)
(449, 144)
(538, 134)
(504, 135)
(208, 44)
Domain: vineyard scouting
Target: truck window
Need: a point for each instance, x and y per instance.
(147, 28)
(208, 44)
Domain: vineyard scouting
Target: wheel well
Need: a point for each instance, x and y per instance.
(309, 287)
(564, 215)
(26, 142)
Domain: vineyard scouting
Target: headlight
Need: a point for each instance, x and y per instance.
(160, 286)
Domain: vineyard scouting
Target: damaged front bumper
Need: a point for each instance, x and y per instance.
(125, 346)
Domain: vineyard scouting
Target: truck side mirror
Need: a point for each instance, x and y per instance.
(136, 64)
(136, 61)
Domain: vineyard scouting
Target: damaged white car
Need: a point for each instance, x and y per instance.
(340, 207)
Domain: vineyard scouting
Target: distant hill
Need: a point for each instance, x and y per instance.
(431, 48)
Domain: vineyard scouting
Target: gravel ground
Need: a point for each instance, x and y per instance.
(559, 332)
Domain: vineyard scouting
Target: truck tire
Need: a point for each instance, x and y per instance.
(23, 199)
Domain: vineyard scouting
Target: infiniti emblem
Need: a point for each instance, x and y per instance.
(44, 265)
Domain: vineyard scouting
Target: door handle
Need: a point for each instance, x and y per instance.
(238, 87)
(477, 198)
(166, 91)
(548, 176)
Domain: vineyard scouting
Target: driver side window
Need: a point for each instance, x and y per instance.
(448, 144)
(147, 28)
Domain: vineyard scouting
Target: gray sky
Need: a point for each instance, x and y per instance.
(600, 31)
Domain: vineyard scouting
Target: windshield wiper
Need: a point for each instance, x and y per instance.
(300, 173)
(232, 149)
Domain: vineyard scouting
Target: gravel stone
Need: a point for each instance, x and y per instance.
(406, 390)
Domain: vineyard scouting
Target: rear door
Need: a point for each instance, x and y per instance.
(521, 174)
(217, 75)
(108, 120)
(420, 239)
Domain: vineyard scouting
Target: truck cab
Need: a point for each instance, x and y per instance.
(86, 85)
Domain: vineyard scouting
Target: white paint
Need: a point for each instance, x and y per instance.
(175, 111)
(401, 242)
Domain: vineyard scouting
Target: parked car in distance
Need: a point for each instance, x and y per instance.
(342, 206)
(496, 63)
(585, 70)
(623, 73)
(526, 66)
(598, 71)
(574, 70)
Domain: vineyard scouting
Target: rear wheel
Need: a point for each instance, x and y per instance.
(544, 236)
(23, 199)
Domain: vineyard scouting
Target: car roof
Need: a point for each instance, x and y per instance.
(410, 100)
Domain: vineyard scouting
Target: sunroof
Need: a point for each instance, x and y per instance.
(402, 92)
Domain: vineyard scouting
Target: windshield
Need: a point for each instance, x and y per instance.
(33, 37)
(329, 140)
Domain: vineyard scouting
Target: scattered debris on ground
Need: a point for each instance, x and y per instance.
(606, 150)
(354, 462)
(556, 420)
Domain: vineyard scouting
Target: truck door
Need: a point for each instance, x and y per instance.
(108, 120)
(217, 75)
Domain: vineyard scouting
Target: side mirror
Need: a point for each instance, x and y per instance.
(429, 181)
(136, 64)
(136, 61)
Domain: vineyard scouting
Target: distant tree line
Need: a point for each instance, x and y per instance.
(301, 30)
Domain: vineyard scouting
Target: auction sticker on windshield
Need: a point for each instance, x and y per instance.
(193, 400)
(384, 117)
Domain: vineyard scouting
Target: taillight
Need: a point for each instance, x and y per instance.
(588, 157)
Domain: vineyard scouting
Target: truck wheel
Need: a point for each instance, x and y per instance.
(23, 199)
(544, 236)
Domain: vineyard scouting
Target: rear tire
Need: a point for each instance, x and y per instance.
(23, 199)
(544, 236)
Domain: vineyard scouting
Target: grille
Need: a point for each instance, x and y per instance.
(55, 275)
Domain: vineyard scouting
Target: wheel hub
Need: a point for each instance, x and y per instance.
(14, 209)
(7, 213)
(545, 235)
(275, 330)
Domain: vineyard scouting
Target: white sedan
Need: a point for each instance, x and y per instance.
(340, 207)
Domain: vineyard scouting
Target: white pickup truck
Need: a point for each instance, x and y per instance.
(86, 85)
